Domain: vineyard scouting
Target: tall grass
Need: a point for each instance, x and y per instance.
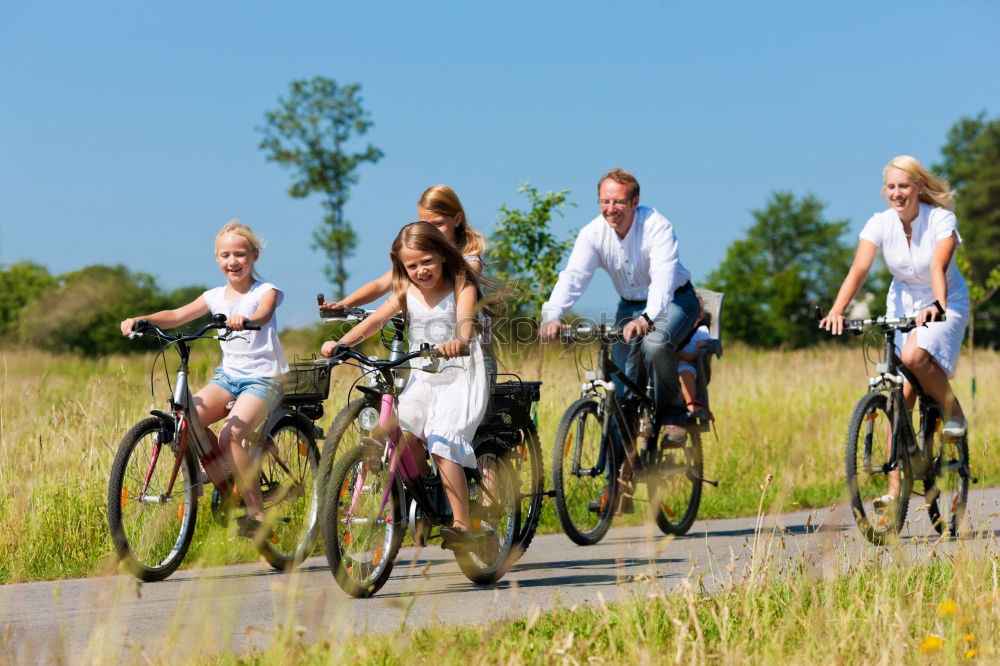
(62, 417)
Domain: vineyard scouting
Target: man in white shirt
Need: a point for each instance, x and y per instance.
(658, 308)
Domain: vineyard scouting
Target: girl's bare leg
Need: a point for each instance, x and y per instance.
(245, 417)
(418, 451)
(210, 404)
(932, 378)
(456, 488)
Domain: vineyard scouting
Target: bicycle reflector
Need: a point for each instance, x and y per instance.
(368, 418)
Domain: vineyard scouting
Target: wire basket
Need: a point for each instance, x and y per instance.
(509, 398)
(305, 383)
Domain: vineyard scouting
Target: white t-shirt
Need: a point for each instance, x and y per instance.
(910, 261)
(643, 266)
(700, 333)
(260, 354)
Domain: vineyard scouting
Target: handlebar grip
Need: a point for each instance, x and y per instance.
(320, 299)
(251, 326)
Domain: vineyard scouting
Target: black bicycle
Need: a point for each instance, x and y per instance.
(885, 455)
(597, 430)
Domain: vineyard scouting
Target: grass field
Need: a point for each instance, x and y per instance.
(61, 419)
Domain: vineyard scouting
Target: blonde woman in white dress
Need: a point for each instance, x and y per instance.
(918, 235)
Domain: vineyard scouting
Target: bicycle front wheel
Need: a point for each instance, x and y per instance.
(947, 491)
(152, 501)
(289, 463)
(869, 447)
(495, 511)
(675, 486)
(583, 474)
(362, 520)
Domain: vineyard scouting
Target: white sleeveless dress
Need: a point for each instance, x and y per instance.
(443, 408)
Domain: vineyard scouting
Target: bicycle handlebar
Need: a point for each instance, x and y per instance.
(218, 322)
(903, 324)
(343, 352)
(587, 332)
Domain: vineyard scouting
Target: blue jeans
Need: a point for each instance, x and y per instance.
(656, 354)
(265, 388)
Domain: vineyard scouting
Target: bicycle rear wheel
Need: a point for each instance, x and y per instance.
(362, 520)
(947, 490)
(675, 486)
(289, 464)
(583, 474)
(869, 441)
(495, 512)
(151, 527)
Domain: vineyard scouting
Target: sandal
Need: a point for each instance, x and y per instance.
(702, 411)
(458, 540)
(883, 503)
(624, 504)
(248, 526)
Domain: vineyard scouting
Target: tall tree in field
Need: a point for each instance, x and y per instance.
(525, 253)
(309, 132)
(791, 260)
(972, 167)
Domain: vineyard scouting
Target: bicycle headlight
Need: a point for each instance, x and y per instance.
(368, 418)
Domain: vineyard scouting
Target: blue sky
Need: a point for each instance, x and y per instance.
(127, 129)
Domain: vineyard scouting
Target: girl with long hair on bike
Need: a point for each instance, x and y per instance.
(439, 294)
(440, 206)
(251, 362)
(918, 235)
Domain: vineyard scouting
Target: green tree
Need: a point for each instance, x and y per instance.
(20, 285)
(309, 133)
(972, 167)
(791, 260)
(525, 254)
(82, 314)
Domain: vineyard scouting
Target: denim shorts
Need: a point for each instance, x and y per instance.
(268, 390)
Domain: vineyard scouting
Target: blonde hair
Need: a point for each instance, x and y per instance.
(425, 237)
(442, 200)
(235, 226)
(935, 190)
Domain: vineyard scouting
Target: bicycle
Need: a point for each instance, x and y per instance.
(508, 423)
(372, 484)
(881, 441)
(592, 431)
(155, 481)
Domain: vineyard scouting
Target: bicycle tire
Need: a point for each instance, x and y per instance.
(291, 494)
(362, 537)
(867, 451)
(675, 486)
(526, 459)
(948, 487)
(151, 532)
(344, 433)
(496, 549)
(579, 437)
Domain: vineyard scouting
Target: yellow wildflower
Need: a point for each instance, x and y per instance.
(947, 608)
(968, 638)
(931, 643)
(970, 654)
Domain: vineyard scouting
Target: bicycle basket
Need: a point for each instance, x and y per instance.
(305, 383)
(510, 398)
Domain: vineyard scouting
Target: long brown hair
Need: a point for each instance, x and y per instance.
(425, 237)
(442, 200)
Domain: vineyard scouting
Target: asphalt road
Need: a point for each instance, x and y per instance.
(239, 608)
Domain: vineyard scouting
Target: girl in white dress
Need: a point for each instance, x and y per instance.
(918, 235)
(251, 363)
(438, 293)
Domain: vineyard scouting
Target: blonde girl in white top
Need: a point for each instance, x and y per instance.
(250, 364)
(439, 294)
(918, 235)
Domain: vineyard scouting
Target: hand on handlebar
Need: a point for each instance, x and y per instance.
(637, 328)
(929, 314)
(128, 325)
(453, 348)
(332, 349)
(833, 323)
(549, 330)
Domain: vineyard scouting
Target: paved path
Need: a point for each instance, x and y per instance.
(197, 612)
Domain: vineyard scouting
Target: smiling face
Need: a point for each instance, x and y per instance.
(425, 269)
(235, 257)
(902, 193)
(616, 208)
(446, 224)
